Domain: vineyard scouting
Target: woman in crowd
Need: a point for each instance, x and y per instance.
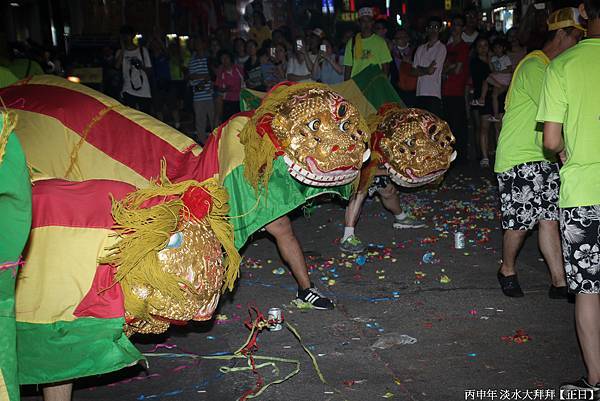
(230, 80)
(400, 70)
(239, 49)
(516, 51)
(161, 77)
(259, 31)
(480, 70)
(176, 92)
(299, 65)
(327, 68)
(254, 78)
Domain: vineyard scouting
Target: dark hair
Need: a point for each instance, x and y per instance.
(592, 8)
(225, 52)
(252, 41)
(458, 16)
(550, 35)
(434, 19)
(263, 20)
(127, 30)
(500, 42)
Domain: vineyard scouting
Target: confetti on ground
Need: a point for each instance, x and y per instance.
(519, 337)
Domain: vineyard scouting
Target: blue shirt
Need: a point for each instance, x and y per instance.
(199, 65)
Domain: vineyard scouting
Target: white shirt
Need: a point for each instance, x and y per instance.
(501, 63)
(430, 85)
(297, 68)
(468, 39)
(135, 80)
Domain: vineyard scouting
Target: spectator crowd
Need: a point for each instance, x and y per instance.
(459, 69)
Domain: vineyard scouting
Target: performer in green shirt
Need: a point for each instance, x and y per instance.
(569, 109)
(527, 175)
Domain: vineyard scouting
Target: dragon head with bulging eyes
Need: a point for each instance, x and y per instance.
(414, 145)
(320, 135)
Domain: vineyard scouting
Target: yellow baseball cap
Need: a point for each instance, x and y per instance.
(564, 18)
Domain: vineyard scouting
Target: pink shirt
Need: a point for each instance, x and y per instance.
(430, 85)
(232, 80)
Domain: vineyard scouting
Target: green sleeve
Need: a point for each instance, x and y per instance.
(553, 102)
(348, 54)
(533, 79)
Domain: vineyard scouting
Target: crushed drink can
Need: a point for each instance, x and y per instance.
(459, 240)
(274, 316)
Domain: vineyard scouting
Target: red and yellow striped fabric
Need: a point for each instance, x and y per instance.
(68, 130)
(66, 326)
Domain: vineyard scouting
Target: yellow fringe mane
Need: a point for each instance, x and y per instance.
(9, 124)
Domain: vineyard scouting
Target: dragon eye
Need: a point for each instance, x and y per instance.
(175, 240)
(345, 126)
(342, 110)
(409, 141)
(314, 124)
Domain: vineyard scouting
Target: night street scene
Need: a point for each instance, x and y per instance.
(299, 200)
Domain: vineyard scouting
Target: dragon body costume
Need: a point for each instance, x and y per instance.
(82, 288)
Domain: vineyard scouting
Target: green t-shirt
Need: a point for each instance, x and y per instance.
(6, 77)
(372, 50)
(19, 67)
(521, 139)
(571, 96)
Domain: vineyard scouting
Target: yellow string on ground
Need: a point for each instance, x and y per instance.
(269, 360)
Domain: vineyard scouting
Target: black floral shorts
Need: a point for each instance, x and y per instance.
(528, 194)
(379, 182)
(580, 227)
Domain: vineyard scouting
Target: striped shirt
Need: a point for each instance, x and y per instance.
(199, 65)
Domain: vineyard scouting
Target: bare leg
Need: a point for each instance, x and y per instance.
(550, 245)
(511, 244)
(484, 131)
(290, 250)
(587, 318)
(354, 208)
(495, 106)
(58, 392)
(390, 199)
(484, 91)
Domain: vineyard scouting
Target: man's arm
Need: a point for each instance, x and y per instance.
(347, 72)
(553, 139)
(420, 71)
(386, 68)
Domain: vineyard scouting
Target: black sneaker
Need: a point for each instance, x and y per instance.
(313, 296)
(580, 390)
(510, 285)
(558, 292)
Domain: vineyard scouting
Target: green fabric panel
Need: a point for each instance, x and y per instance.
(63, 351)
(8, 347)
(249, 100)
(15, 201)
(376, 87)
(284, 195)
(15, 223)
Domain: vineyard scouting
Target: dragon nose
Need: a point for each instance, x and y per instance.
(335, 148)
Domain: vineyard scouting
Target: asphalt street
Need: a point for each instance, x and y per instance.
(403, 329)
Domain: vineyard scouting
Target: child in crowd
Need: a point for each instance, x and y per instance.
(499, 79)
(268, 67)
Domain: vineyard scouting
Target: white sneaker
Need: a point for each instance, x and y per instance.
(408, 222)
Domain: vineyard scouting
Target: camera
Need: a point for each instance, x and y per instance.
(137, 63)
